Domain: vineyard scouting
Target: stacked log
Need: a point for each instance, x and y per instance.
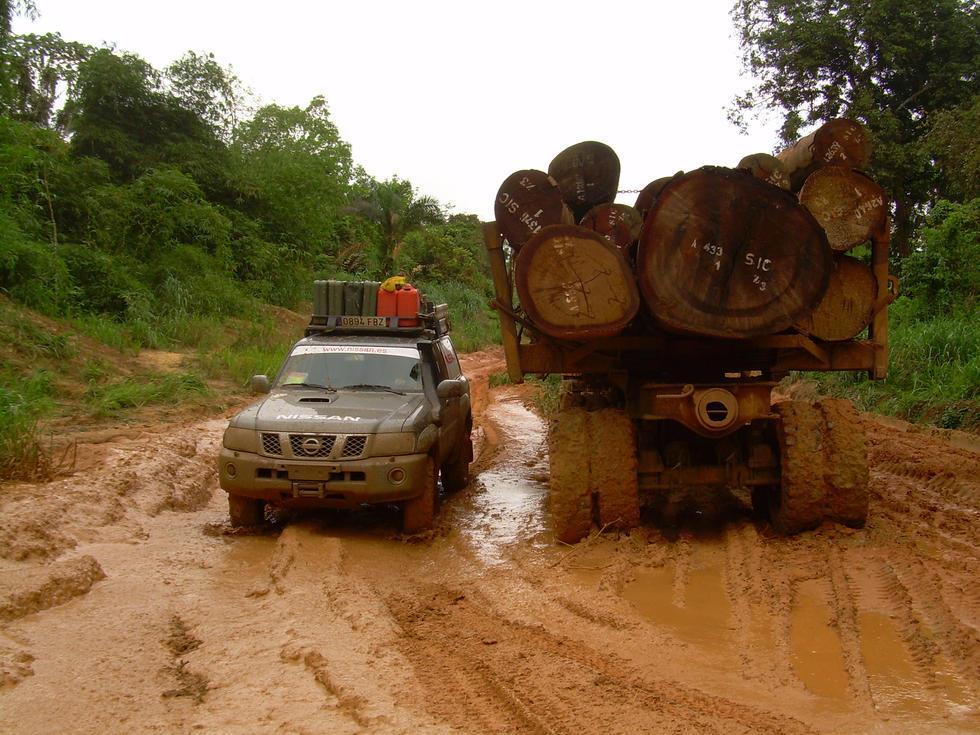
(726, 253)
(587, 174)
(849, 206)
(768, 168)
(526, 202)
(847, 306)
(618, 223)
(575, 284)
(841, 141)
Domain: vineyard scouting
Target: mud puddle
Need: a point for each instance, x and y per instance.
(509, 507)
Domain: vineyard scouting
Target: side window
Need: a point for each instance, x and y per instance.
(439, 358)
(449, 357)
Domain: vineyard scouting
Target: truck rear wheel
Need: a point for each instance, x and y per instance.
(846, 465)
(569, 496)
(798, 503)
(244, 511)
(419, 512)
(612, 468)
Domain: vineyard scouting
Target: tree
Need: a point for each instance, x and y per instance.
(45, 68)
(209, 90)
(397, 210)
(892, 64)
(295, 173)
(119, 112)
(8, 9)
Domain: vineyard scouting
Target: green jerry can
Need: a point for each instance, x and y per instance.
(370, 305)
(320, 298)
(335, 298)
(353, 297)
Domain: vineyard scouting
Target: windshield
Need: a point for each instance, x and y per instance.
(361, 367)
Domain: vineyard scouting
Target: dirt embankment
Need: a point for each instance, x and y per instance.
(127, 605)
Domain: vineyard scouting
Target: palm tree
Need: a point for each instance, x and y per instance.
(395, 208)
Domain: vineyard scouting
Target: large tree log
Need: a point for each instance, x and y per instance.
(768, 168)
(725, 254)
(648, 195)
(848, 305)
(574, 284)
(849, 206)
(618, 223)
(840, 141)
(527, 201)
(587, 174)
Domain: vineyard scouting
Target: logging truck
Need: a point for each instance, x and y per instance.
(672, 321)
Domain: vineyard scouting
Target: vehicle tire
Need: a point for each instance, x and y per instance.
(419, 512)
(799, 502)
(455, 471)
(760, 501)
(612, 468)
(569, 495)
(845, 463)
(244, 511)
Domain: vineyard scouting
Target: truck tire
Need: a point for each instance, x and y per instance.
(419, 512)
(845, 463)
(244, 511)
(612, 468)
(455, 471)
(799, 502)
(569, 496)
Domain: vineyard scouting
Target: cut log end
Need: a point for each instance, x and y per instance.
(724, 254)
(766, 167)
(849, 206)
(574, 284)
(848, 305)
(840, 142)
(587, 174)
(526, 202)
(648, 195)
(618, 223)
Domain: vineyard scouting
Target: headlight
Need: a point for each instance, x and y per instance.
(396, 443)
(242, 440)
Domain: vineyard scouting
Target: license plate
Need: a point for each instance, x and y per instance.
(363, 321)
(304, 472)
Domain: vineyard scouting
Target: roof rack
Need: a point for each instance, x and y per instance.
(430, 323)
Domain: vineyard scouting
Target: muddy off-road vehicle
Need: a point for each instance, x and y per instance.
(363, 410)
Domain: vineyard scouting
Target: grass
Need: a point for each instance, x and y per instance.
(933, 371)
(24, 401)
(118, 396)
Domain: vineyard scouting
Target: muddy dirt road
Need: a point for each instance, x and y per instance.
(127, 605)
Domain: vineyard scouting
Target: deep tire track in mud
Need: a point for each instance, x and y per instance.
(701, 620)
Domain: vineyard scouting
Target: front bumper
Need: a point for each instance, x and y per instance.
(322, 484)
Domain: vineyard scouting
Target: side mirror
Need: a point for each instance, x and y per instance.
(449, 389)
(259, 383)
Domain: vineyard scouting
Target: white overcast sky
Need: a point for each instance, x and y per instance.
(456, 95)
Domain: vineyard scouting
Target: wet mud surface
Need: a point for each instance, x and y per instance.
(128, 605)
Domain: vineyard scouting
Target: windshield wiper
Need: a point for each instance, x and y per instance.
(309, 385)
(371, 386)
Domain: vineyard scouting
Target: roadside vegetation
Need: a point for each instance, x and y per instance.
(159, 209)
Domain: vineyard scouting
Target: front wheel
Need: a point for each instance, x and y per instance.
(244, 511)
(419, 512)
(455, 471)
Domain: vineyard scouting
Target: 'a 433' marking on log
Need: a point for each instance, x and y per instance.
(710, 249)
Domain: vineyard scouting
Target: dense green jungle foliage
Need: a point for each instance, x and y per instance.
(154, 208)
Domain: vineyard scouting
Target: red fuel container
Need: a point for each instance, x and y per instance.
(387, 303)
(409, 303)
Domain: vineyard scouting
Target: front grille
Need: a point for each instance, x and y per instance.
(354, 445)
(312, 446)
(271, 444)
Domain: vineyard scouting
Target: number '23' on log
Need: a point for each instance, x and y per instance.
(725, 254)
